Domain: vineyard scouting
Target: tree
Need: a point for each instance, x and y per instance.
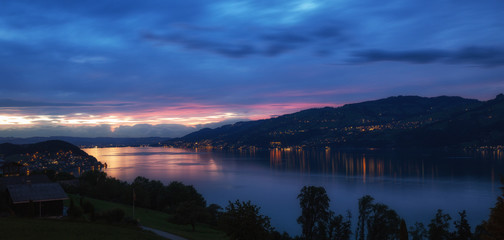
(338, 228)
(383, 223)
(314, 204)
(149, 193)
(275, 235)
(242, 220)
(439, 226)
(177, 193)
(403, 231)
(480, 232)
(96, 184)
(214, 212)
(365, 207)
(418, 232)
(141, 193)
(189, 213)
(463, 230)
(494, 227)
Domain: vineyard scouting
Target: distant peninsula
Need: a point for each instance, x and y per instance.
(55, 155)
(84, 142)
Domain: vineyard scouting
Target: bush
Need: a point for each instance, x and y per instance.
(130, 221)
(88, 207)
(115, 215)
(75, 211)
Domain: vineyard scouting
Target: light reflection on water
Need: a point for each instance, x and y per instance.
(415, 184)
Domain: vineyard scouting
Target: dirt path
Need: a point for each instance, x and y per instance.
(163, 234)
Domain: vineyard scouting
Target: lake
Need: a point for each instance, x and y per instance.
(414, 183)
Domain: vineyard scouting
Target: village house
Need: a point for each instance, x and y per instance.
(33, 195)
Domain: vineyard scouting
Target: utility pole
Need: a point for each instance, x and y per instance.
(134, 198)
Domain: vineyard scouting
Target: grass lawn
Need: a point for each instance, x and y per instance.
(157, 220)
(13, 228)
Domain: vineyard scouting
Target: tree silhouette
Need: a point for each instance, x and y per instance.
(418, 232)
(439, 226)
(383, 223)
(403, 231)
(463, 230)
(494, 227)
(365, 208)
(314, 204)
(242, 220)
(189, 213)
(339, 229)
(214, 212)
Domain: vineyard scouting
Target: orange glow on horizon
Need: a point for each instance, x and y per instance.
(188, 115)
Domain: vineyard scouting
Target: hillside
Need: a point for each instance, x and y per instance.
(49, 155)
(402, 121)
(52, 146)
(480, 126)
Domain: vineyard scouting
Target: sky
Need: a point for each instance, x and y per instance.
(165, 68)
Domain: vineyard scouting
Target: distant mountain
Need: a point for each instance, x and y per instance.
(53, 146)
(482, 125)
(90, 142)
(402, 121)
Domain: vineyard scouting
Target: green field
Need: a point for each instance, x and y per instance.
(158, 220)
(12, 228)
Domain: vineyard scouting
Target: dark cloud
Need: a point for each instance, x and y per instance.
(269, 44)
(486, 56)
(282, 42)
(236, 51)
(229, 50)
(421, 56)
(232, 50)
(17, 103)
(287, 37)
(481, 56)
(8, 103)
(329, 32)
(277, 49)
(148, 130)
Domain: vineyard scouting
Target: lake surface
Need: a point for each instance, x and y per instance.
(415, 184)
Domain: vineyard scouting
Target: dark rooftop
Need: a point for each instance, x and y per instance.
(5, 181)
(38, 192)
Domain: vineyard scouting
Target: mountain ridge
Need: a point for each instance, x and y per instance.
(393, 122)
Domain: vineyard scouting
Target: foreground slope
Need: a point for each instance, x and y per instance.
(24, 228)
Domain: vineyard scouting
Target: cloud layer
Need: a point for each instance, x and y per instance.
(106, 130)
(66, 64)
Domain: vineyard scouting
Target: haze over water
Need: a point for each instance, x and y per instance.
(415, 184)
